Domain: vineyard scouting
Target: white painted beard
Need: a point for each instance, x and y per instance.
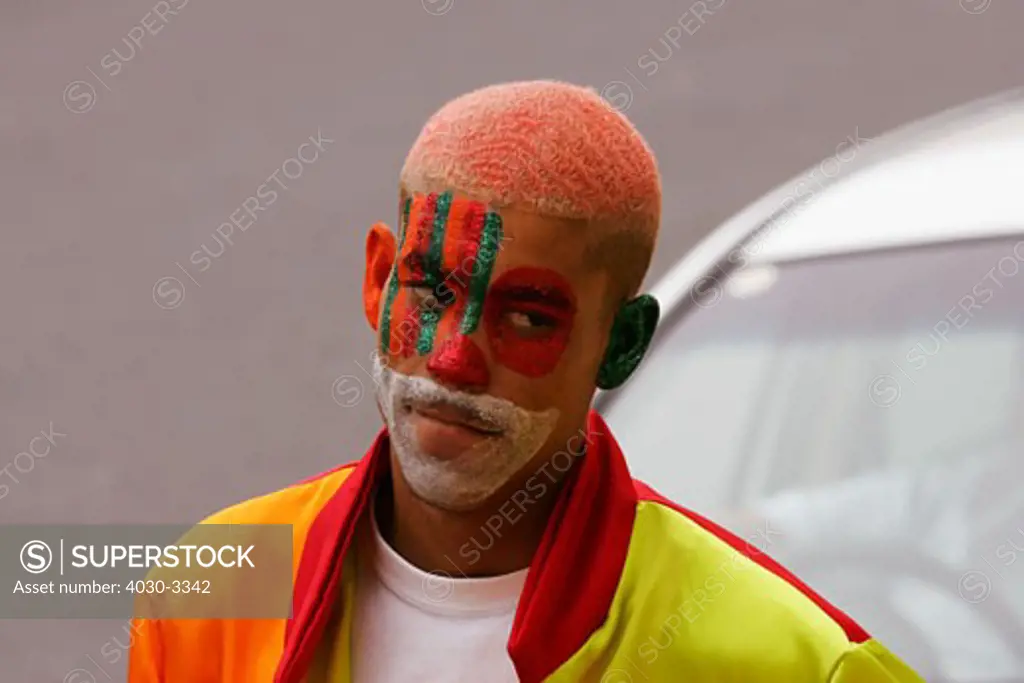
(467, 480)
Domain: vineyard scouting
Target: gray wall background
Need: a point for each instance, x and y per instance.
(111, 175)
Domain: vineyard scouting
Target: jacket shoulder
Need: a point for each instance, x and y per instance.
(725, 607)
(195, 648)
(289, 505)
(754, 549)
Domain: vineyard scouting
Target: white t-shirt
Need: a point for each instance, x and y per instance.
(414, 626)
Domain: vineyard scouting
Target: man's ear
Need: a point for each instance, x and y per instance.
(630, 337)
(380, 258)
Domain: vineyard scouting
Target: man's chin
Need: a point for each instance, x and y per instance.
(461, 503)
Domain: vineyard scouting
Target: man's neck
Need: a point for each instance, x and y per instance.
(498, 538)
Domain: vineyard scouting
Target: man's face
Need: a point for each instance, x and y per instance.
(491, 330)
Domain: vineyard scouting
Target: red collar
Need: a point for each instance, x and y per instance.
(568, 589)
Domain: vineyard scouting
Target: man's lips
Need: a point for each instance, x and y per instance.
(454, 416)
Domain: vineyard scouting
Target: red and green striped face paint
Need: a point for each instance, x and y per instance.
(441, 292)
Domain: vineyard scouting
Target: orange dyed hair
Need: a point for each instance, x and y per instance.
(555, 148)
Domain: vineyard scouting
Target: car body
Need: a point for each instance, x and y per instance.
(841, 365)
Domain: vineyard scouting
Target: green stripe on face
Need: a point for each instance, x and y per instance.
(385, 327)
(430, 316)
(483, 265)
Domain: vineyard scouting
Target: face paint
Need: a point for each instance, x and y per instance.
(529, 317)
(632, 332)
(460, 362)
(464, 482)
(447, 247)
(483, 258)
(387, 342)
(431, 236)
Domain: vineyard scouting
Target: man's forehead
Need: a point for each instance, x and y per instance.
(411, 201)
(440, 227)
(450, 235)
(461, 218)
(445, 211)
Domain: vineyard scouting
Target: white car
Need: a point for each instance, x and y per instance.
(841, 365)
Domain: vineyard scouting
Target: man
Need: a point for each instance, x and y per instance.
(492, 532)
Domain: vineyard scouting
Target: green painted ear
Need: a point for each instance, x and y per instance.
(631, 335)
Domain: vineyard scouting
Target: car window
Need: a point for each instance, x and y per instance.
(800, 374)
(664, 431)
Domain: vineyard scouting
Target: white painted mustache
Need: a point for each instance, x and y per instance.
(487, 413)
(463, 481)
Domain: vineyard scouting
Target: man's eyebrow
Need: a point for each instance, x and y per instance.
(415, 260)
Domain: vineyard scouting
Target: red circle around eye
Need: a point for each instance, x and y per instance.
(538, 291)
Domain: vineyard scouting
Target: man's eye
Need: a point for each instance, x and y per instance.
(425, 297)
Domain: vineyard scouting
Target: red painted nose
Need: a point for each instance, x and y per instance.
(459, 362)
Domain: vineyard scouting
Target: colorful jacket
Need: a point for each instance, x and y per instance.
(625, 587)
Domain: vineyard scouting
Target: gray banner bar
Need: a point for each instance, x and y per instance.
(214, 571)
